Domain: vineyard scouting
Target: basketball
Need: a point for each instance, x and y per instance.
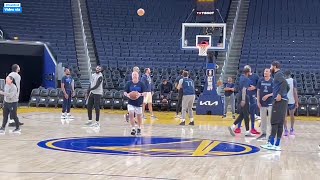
(134, 95)
(140, 12)
(219, 83)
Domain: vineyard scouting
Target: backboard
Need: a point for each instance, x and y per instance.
(194, 33)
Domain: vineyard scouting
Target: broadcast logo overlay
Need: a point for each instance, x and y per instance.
(12, 8)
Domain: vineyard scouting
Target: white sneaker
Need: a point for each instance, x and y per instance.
(89, 123)
(95, 124)
(63, 116)
(231, 130)
(257, 117)
(276, 148)
(249, 134)
(267, 146)
(69, 116)
(2, 131)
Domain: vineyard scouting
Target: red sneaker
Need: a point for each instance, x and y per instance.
(238, 131)
(254, 131)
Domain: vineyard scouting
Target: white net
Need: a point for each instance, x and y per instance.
(203, 49)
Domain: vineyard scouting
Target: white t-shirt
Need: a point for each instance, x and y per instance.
(292, 84)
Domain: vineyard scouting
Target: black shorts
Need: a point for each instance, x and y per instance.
(279, 110)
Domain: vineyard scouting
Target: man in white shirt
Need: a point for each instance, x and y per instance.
(293, 102)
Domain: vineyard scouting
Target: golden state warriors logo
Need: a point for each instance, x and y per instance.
(149, 146)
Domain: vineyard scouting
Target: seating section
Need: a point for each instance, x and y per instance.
(122, 38)
(286, 31)
(47, 21)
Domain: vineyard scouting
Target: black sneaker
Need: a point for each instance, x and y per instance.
(138, 132)
(263, 137)
(191, 123)
(182, 123)
(20, 123)
(13, 124)
(17, 130)
(133, 132)
(233, 117)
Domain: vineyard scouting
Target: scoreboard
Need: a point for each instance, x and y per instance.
(205, 11)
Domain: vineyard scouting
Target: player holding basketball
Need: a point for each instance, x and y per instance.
(134, 69)
(67, 87)
(188, 98)
(135, 90)
(95, 93)
(293, 102)
(147, 100)
(279, 107)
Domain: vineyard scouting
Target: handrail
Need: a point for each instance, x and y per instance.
(84, 39)
(1, 34)
(231, 40)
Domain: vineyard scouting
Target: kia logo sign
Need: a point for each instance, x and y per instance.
(208, 103)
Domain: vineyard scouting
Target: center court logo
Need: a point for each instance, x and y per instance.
(149, 146)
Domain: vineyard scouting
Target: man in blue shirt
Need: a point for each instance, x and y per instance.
(279, 107)
(135, 105)
(229, 97)
(67, 87)
(188, 98)
(252, 93)
(147, 81)
(243, 104)
(264, 98)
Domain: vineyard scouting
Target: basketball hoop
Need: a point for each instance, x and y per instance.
(203, 48)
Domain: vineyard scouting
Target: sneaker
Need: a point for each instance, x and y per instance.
(13, 124)
(88, 123)
(276, 148)
(126, 117)
(286, 133)
(138, 132)
(238, 131)
(17, 130)
(254, 131)
(268, 146)
(133, 132)
(191, 123)
(263, 137)
(95, 124)
(257, 117)
(2, 130)
(182, 123)
(153, 117)
(63, 116)
(233, 117)
(69, 116)
(178, 116)
(249, 134)
(144, 117)
(292, 132)
(231, 130)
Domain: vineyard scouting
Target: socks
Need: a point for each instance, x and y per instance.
(278, 142)
(271, 140)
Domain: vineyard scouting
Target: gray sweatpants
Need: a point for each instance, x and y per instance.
(229, 100)
(187, 104)
(265, 114)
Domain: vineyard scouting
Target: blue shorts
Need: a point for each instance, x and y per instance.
(291, 106)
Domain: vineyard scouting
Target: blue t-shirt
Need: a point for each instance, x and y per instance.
(243, 83)
(254, 78)
(265, 87)
(147, 82)
(187, 86)
(139, 87)
(228, 85)
(67, 81)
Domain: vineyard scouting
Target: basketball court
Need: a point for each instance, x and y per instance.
(49, 148)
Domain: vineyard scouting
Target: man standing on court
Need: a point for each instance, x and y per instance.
(95, 93)
(293, 102)
(279, 107)
(135, 104)
(252, 93)
(67, 87)
(188, 98)
(229, 89)
(180, 94)
(243, 103)
(264, 98)
(15, 68)
(147, 100)
(134, 69)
